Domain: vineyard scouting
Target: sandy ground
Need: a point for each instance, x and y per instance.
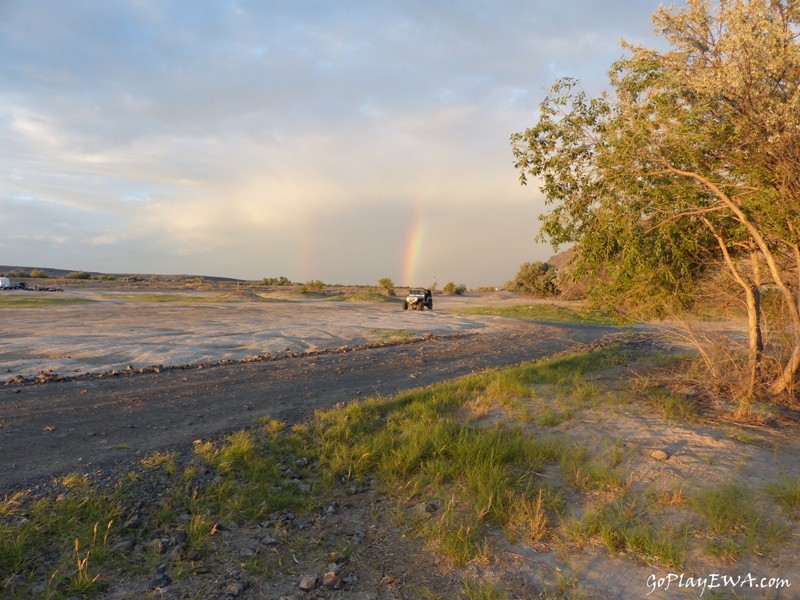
(114, 330)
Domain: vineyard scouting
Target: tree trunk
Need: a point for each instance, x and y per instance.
(756, 345)
(792, 298)
(752, 293)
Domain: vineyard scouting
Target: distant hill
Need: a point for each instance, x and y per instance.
(562, 258)
(60, 273)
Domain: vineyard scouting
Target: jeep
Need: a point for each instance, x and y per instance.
(418, 298)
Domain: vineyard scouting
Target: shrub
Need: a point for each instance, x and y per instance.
(538, 278)
(315, 285)
(388, 285)
(452, 288)
(79, 275)
(277, 280)
(38, 274)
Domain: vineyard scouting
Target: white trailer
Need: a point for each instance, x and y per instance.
(5, 282)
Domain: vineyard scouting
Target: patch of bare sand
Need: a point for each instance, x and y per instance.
(700, 456)
(115, 330)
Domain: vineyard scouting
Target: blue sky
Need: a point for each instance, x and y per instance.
(342, 141)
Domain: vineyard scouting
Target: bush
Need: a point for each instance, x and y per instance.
(79, 275)
(315, 285)
(537, 278)
(38, 274)
(388, 285)
(276, 280)
(452, 288)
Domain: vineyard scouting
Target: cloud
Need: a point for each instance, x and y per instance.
(203, 135)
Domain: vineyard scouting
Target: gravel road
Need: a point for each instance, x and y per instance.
(91, 424)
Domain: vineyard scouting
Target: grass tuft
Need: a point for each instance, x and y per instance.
(546, 313)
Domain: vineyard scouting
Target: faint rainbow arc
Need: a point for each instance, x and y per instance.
(416, 235)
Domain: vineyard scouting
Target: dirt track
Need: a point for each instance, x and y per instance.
(88, 424)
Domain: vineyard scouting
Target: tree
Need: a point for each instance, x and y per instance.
(691, 162)
(387, 284)
(538, 278)
(453, 289)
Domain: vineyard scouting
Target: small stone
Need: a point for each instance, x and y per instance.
(358, 535)
(269, 541)
(192, 555)
(659, 455)
(308, 583)
(247, 552)
(332, 580)
(124, 546)
(132, 523)
(234, 589)
(302, 487)
(160, 581)
(301, 462)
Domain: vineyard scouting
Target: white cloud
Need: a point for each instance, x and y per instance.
(205, 136)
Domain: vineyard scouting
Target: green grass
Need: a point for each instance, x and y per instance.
(29, 300)
(168, 298)
(786, 492)
(483, 590)
(548, 313)
(736, 521)
(367, 296)
(626, 525)
(391, 335)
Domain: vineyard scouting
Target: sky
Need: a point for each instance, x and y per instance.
(339, 141)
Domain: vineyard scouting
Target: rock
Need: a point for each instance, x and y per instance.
(235, 589)
(332, 580)
(286, 517)
(132, 523)
(358, 535)
(124, 546)
(308, 583)
(301, 462)
(659, 455)
(334, 568)
(302, 487)
(160, 581)
(247, 552)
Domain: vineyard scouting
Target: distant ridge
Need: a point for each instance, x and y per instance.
(561, 259)
(60, 273)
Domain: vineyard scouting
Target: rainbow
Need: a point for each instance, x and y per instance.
(416, 235)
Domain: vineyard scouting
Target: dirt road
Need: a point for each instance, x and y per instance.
(89, 424)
